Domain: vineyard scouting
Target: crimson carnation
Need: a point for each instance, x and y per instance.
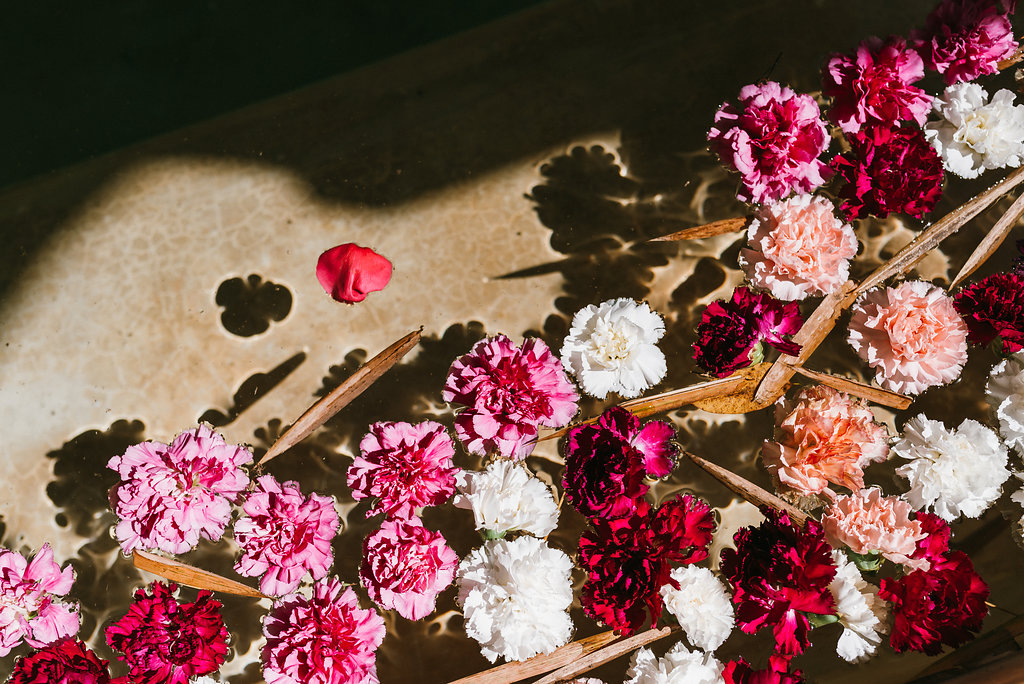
(936, 540)
(628, 559)
(606, 461)
(889, 170)
(730, 330)
(167, 642)
(942, 605)
(777, 672)
(964, 39)
(67, 660)
(992, 308)
(780, 572)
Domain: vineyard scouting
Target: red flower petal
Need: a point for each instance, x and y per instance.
(349, 272)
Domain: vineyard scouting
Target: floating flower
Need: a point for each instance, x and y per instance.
(729, 331)
(872, 86)
(504, 497)
(405, 566)
(167, 642)
(349, 272)
(508, 392)
(777, 672)
(68, 661)
(774, 138)
(171, 496)
(862, 614)
(284, 535)
(889, 170)
(324, 639)
(798, 248)
(911, 335)
(964, 39)
(1005, 392)
(993, 309)
(973, 134)
(404, 466)
(701, 605)
(679, 665)
(953, 472)
(611, 347)
(30, 608)
(824, 436)
(869, 522)
(515, 596)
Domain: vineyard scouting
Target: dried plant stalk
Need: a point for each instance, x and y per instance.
(991, 242)
(747, 489)
(538, 665)
(707, 230)
(999, 640)
(606, 654)
(322, 411)
(858, 389)
(190, 576)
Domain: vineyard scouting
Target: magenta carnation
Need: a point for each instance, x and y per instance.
(777, 672)
(774, 138)
(167, 642)
(404, 466)
(30, 606)
(67, 661)
(964, 39)
(508, 392)
(729, 331)
(872, 87)
(284, 535)
(405, 566)
(171, 496)
(993, 308)
(325, 639)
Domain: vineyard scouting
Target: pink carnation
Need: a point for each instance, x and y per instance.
(285, 535)
(826, 436)
(171, 496)
(508, 392)
(868, 521)
(29, 607)
(873, 86)
(911, 335)
(405, 567)
(405, 466)
(964, 39)
(325, 639)
(773, 137)
(798, 248)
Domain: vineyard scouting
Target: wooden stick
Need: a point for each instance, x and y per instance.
(538, 665)
(991, 242)
(607, 654)
(748, 490)
(858, 389)
(190, 576)
(707, 230)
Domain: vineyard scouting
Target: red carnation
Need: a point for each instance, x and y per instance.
(933, 546)
(993, 308)
(67, 660)
(777, 672)
(349, 272)
(964, 39)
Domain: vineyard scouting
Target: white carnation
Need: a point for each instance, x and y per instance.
(863, 615)
(702, 606)
(958, 472)
(1006, 397)
(678, 666)
(611, 348)
(515, 596)
(974, 135)
(505, 497)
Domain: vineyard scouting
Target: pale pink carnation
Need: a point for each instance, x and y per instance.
(868, 521)
(508, 392)
(30, 609)
(404, 466)
(325, 639)
(911, 335)
(283, 535)
(824, 436)
(171, 496)
(798, 248)
(773, 138)
(405, 566)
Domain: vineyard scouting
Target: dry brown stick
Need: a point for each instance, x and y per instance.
(181, 573)
(607, 654)
(991, 242)
(1001, 639)
(707, 230)
(538, 665)
(747, 489)
(322, 411)
(858, 389)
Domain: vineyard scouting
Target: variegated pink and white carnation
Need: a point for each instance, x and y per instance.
(505, 497)
(31, 610)
(867, 521)
(798, 248)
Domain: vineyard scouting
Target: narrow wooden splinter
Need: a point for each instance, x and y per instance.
(190, 576)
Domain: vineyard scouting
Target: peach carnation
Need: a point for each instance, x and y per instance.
(826, 436)
(798, 248)
(911, 335)
(867, 521)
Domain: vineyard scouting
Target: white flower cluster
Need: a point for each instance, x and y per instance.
(515, 597)
(975, 134)
(863, 615)
(701, 605)
(955, 472)
(678, 666)
(1006, 397)
(504, 497)
(611, 348)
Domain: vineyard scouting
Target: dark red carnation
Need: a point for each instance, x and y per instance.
(67, 660)
(779, 573)
(166, 642)
(942, 605)
(729, 330)
(994, 308)
(605, 462)
(964, 39)
(777, 672)
(932, 547)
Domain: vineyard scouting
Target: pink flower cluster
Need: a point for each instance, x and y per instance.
(964, 39)
(30, 609)
(170, 496)
(284, 535)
